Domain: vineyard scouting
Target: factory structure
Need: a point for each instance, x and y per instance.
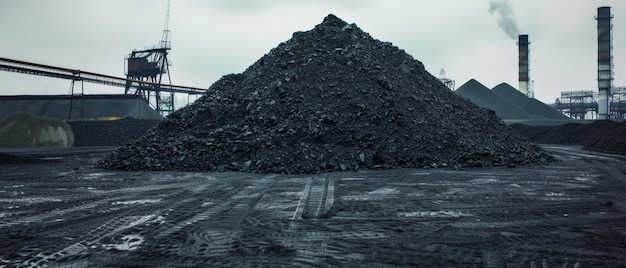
(608, 102)
(148, 90)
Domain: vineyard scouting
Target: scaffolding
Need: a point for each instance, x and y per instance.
(618, 103)
(148, 67)
(578, 104)
(75, 75)
(584, 104)
(449, 83)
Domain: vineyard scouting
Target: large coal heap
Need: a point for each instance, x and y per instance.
(329, 99)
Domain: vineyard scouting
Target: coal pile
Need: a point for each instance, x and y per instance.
(601, 136)
(329, 99)
(110, 133)
(483, 97)
(530, 105)
(509, 103)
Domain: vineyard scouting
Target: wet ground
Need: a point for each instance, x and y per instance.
(65, 213)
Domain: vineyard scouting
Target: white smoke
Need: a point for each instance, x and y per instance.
(506, 16)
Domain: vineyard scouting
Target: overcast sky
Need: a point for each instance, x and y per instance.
(211, 38)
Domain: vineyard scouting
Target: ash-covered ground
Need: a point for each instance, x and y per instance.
(61, 212)
(329, 99)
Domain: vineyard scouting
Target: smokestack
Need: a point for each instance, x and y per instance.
(605, 58)
(524, 70)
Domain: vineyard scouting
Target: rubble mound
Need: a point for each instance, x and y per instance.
(329, 99)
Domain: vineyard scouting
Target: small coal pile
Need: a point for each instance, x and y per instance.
(329, 99)
(110, 133)
(602, 135)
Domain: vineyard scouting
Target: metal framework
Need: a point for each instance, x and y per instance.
(578, 104)
(76, 75)
(618, 103)
(584, 104)
(148, 66)
(446, 81)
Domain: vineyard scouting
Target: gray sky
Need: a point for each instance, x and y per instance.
(211, 38)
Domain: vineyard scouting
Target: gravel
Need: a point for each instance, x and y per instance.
(329, 99)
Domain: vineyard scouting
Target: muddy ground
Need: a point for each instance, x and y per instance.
(65, 213)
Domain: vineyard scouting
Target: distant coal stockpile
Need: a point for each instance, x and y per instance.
(508, 103)
(329, 99)
(483, 97)
(601, 136)
(532, 106)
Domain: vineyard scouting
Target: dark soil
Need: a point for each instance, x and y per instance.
(66, 214)
(601, 136)
(110, 133)
(329, 99)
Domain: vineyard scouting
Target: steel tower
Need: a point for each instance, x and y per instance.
(148, 67)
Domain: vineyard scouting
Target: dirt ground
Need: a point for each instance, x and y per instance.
(65, 213)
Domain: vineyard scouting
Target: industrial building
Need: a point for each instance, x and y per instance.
(85, 107)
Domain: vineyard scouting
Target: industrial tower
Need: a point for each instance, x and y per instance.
(605, 61)
(524, 66)
(147, 68)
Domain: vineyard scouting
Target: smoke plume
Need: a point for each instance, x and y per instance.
(506, 16)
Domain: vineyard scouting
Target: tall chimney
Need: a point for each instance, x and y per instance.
(524, 77)
(605, 58)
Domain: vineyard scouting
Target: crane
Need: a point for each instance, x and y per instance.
(149, 67)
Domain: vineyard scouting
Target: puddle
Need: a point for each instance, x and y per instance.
(384, 191)
(377, 194)
(551, 196)
(97, 175)
(483, 181)
(434, 214)
(133, 202)
(352, 179)
(14, 186)
(129, 242)
(30, 200)
(584, 179)
(50, 158)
